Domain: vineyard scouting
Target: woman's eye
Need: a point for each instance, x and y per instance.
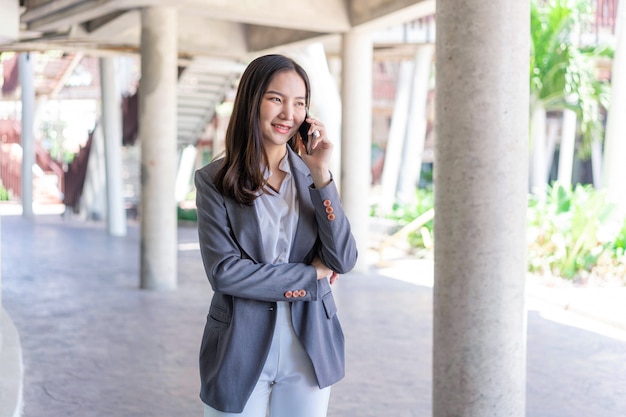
(276, 99)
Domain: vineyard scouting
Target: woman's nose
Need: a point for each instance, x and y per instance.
(287, 113)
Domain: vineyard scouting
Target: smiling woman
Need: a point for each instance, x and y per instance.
(273, 238)
(282, 111)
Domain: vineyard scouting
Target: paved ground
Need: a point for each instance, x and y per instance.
(95, 345)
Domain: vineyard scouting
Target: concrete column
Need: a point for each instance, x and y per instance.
(0, 285)
(26, 74)
(481, 169)
(112, 128)
(538, 162)
(416, 126)
(93, 197)
(357, 137)
(615, 139)
(9, 21)
(395, 140)
(567, 148)
(186, 168)
(157, 135)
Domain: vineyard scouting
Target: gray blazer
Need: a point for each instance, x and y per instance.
(242, 314)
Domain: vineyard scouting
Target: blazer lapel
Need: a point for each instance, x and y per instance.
(246, 228)
(306, 232)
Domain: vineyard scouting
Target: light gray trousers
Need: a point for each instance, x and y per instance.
(287, 386)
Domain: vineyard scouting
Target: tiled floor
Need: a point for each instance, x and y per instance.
(95, 345)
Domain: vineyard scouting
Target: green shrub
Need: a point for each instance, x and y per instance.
(404, 214)
(619, 246)
(4, 194)
(568, 232)
(188, 214)
(573, 233)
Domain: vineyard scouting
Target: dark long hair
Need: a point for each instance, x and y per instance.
(240, 175)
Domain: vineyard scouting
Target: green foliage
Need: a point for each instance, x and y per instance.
(569, 232)
(53, 140)
(619, 246)
(5, 56)
(4, 194)
(404, 214)
(186, 210)
(550, 26)
(562, 73)
(188, 214)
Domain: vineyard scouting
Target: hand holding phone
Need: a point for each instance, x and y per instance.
(304, 133)
(317, 161)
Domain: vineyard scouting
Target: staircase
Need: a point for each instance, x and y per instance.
(203, 84)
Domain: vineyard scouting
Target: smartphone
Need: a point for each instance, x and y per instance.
(304, 132)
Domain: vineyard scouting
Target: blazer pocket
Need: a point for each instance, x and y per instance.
(329, 305)
(219, 314)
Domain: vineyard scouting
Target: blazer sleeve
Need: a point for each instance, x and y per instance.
(338, 247)
(228, 268)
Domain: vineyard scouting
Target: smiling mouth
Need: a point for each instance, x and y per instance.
(282, 128)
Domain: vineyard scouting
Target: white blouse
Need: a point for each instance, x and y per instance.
(277, 214)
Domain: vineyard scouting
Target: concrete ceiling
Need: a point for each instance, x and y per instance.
(215, 37)
(233, 29)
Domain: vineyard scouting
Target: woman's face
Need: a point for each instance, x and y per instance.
(283, 108)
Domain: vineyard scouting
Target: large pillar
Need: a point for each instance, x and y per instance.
(157, 135)
(112, 128)
(0, 285)
(27, 82)
(481, 168)
(615, 139)
(357, 136)
(184, 175)
(567, 148)
(415, 138)
(93, 196)
(395, 139)
(9, 21)
(538, 157)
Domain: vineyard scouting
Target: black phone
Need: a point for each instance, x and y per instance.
(304, 132)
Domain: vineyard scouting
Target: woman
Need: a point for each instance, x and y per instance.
(273, 238)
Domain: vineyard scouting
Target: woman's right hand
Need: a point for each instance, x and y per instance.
(318, 160)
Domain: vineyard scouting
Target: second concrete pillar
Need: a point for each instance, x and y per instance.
(112, 129)
(159, 156)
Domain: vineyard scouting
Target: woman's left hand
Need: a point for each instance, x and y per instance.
(323, 271)
(321, 147)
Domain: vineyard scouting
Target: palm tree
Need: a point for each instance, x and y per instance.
(562, 78)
